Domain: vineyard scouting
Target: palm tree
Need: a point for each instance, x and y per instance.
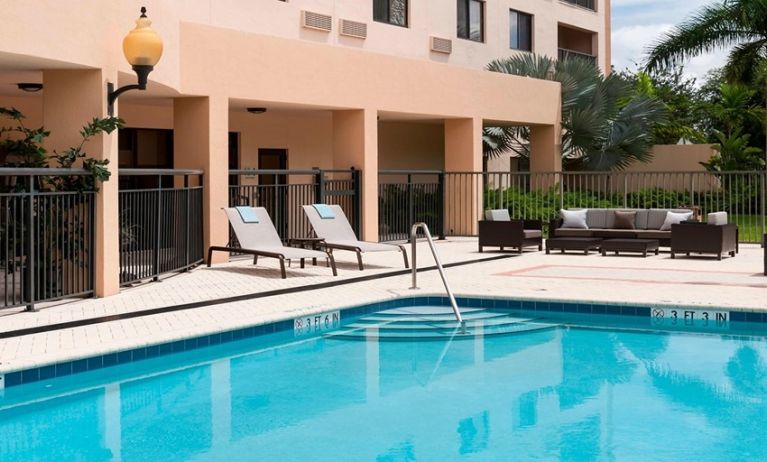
(605, 124)
(733, 23)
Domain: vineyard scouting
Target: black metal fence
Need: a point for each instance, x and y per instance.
(47, 242)
(161, 222)
(408, 197)
(461, 198)
(283, 192)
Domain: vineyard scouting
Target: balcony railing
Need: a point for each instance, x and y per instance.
(564, 53)
(589, 4)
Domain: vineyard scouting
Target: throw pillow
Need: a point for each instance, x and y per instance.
(574, 219)
(497, 215)
(674, 218)
(624, 220)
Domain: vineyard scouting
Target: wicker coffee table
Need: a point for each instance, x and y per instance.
(582, 244)
(630, 245)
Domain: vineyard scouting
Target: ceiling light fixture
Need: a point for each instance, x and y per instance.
(30, 87)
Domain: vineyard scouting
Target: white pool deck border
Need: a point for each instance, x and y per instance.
(735, 284)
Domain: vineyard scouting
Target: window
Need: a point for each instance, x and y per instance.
(590, 4)
(521, 31)
(471, 21)
(390, 11)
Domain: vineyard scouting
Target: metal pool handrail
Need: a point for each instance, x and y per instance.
(413, 233)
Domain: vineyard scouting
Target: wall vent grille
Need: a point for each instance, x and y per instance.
(316, 21)
(441, 45)
(353, 29)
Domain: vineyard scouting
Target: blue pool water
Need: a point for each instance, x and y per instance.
(526, 389)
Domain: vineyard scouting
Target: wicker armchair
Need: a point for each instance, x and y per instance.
(515, 234)
(700, 238)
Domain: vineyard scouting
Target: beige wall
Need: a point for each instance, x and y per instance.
(676, 158)
(411, 145)
(308, 137)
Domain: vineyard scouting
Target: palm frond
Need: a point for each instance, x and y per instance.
(713, 27)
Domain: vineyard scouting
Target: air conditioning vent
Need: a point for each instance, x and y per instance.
(354, 29)
(441, 45)
(316, 21)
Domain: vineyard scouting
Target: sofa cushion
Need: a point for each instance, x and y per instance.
(624, 219)
(575, 219)
(640, 222)
(653, 234)
(655, 218)
(717, 218)
(573, 232)
(674, 218)
(497, 215)
(532, 233)
(614, 233)
(597, 218)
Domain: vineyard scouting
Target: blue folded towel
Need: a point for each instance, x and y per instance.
(248, 214)
(324, 211)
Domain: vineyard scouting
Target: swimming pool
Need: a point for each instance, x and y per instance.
(406, 385)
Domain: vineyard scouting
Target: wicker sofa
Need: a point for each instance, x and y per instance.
(600, 222)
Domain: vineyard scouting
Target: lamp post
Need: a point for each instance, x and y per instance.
(142, 48)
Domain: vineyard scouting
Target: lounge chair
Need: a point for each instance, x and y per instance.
(334, 228)
(257, 236)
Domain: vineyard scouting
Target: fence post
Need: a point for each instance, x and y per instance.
(188, 219)
(692, 193)
(357, 201)
(31, 257)
(625, 191)
(156, 269)
(410, 213)
(441, 204)
(762, 206)
(561, 190)
(319, 186)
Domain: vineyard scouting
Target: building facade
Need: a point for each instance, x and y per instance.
(368, 84)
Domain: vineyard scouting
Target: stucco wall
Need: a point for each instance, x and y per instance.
(676, 158)
(411, 145)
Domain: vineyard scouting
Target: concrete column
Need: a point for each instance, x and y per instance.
(355, 144)
(73, 98)
(463, 153)
(545, 148)
(545, 156)
(200, 141)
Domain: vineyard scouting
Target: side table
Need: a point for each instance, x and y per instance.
(312, 243)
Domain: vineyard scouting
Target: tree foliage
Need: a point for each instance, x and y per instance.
(606, 125)
(21, 146)
(739, 24)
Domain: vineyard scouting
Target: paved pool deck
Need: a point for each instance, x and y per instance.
(733, 283)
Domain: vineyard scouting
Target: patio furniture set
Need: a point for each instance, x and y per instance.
(616, 231)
